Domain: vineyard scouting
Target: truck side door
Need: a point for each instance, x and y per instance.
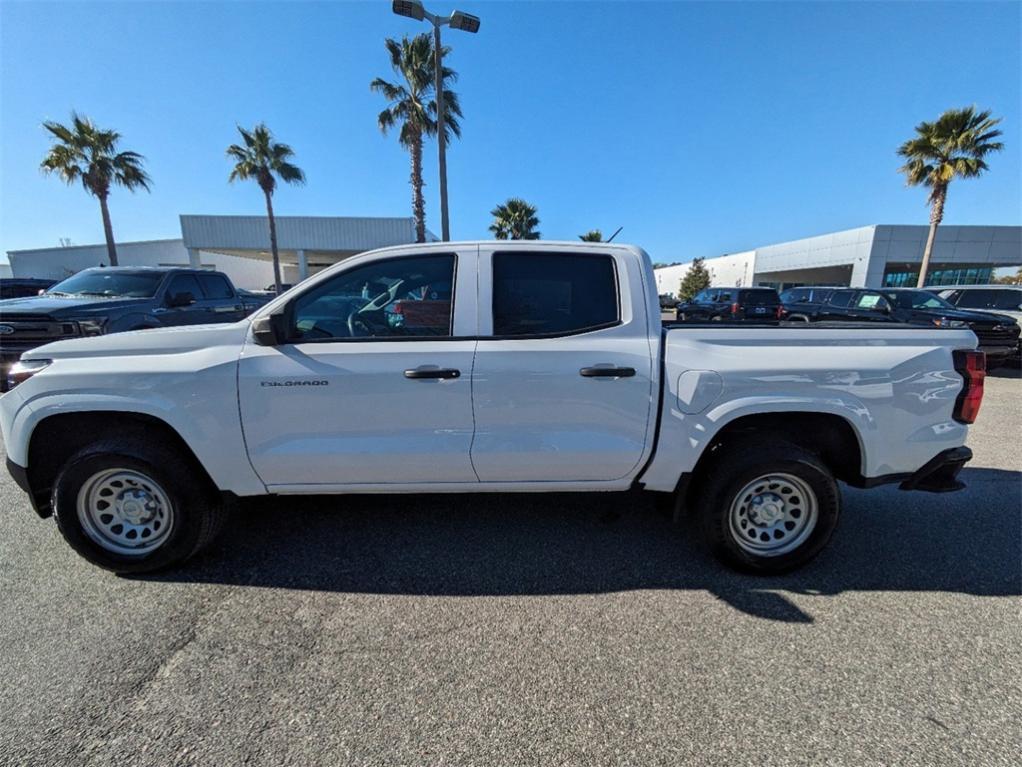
(193, 313)
(374, 384)
(562, 388)
(222, 304)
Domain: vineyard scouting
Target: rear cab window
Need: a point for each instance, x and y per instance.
(759, 297)
(551, 294)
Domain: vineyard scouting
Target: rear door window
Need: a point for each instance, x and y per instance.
(841, 297)
(215, 286)
(553, 293)
(185, 283)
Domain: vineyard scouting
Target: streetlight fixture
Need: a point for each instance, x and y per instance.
(466, 22)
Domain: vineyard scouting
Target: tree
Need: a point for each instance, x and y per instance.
(265, 160)
(413, 105)
(84, 152)
(514, 220)
(593, 235)
(953, 146)
(696, 278)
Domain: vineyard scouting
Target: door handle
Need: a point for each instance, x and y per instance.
(433, 373)
(607, 372)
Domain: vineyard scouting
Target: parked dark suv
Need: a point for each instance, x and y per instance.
(728, 304)
(998, 335)
(113, 299)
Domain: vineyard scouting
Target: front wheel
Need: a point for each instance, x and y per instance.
(129, 507)
(768, 508)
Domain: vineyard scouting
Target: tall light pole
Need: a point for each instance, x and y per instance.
(466, 22)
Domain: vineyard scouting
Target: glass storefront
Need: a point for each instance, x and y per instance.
(903, 276)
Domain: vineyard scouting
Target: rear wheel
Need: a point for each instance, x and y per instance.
(129, 507)
(768, 508)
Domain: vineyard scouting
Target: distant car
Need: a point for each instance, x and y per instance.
(1003, 299)
(20, 287)
(667, 302)
(284, 286)
(730, 304)
(998, 335)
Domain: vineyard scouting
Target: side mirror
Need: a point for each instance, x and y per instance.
(270, 330)
(180, 299)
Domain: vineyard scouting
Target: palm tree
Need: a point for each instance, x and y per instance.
(413, 105)
(515, 220)
(941, 151)
(593, 235)
(265, 160)
(84, 152)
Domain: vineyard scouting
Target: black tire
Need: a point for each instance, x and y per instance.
(737, 469)
(198, 513)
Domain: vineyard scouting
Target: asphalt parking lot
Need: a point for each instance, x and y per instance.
(524, 630)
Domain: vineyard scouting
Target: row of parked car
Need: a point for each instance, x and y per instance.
(992, 312)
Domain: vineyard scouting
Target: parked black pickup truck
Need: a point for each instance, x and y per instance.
(113, 299)
(998, 334)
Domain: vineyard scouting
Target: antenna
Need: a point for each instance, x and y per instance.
(615, 234)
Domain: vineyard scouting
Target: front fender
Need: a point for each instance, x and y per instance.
(217, 442)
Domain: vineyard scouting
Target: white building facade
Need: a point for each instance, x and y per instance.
(239, 246)
(869, 256)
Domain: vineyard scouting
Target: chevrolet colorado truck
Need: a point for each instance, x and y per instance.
(484, 367)
(105, 300)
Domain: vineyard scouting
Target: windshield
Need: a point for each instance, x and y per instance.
(917, 299)
(109, 284)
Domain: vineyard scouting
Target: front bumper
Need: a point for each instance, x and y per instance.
(940, 473)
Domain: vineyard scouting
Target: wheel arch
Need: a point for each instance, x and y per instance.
(56, 437)
(832, 437)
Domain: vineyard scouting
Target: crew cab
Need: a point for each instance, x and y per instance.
(484, 367)
(998, 334)
(113, 299)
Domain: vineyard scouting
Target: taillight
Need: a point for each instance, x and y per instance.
(734, 308)
(781, 311)
(972, 366)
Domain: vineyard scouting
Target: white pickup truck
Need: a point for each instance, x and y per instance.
(484, 367)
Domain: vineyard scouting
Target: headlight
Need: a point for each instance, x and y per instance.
(22, 370)
(944, 322)
(92, 327)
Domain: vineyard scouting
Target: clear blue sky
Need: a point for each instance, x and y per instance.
(700, 128)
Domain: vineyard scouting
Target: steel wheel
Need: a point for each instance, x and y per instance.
(773, 515)
(125, 512)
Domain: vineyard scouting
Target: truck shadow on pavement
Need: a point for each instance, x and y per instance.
(518, 544)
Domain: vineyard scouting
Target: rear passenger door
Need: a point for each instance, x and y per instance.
(220, 301)
(562, 385)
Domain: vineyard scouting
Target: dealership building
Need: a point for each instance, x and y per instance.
(870, 256)
(235, 245)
